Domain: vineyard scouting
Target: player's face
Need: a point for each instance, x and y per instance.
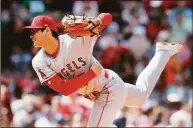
(36, 36)
(39, 37)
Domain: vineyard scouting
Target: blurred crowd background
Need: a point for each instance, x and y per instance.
(125, 46)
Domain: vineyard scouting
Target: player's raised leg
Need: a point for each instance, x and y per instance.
(110, 101)
(137, 95)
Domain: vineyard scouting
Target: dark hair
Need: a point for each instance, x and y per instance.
(54, 34)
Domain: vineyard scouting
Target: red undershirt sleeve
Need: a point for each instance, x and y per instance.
(106, 19)
(67, 87)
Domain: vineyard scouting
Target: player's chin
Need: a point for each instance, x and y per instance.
(35, 44)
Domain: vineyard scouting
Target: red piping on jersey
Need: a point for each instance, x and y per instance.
(104, 105)
(54, 55)
(67, 87)
(106, 74)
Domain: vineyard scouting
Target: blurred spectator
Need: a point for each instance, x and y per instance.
(5, 18)
(89, 8)
(181, 15)
(178, 92)
(163, 35)
(156, 19)
(186, 55)
(127, 33)
(36, 7)
(110, 57)
(179, 31)
(180, 119)
(110, 38)
(22, 119)
(5, 119)
(172, 68)
(27, 83)
(24, 13)
(108, 44)
(138, 39)
(133, 13)
(126, 69)
(15, 6)
(43, 122)
(20, 60)
(15, 59)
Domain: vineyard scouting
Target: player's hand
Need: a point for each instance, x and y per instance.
(93, 23)
(96, 68)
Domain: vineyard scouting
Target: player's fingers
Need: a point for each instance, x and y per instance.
(91, 96)
(89, 26)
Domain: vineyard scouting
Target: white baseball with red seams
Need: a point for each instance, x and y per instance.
(75, 58)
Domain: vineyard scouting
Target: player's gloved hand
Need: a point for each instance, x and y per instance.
(96, 68)
(78, 26)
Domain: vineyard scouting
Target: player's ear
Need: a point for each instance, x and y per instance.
(48, 30)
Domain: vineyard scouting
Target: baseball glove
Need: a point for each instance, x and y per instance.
(78, 26)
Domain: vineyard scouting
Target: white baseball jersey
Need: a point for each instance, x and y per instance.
(73, 59)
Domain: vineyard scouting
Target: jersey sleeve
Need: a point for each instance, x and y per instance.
(90, 42)
(67, 87)
(43, 71)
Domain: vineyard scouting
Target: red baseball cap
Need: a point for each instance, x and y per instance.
(42, 22)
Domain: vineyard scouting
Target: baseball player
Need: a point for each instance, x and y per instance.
(66, 65)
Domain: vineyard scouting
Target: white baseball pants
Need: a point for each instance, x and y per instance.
(117, 94)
